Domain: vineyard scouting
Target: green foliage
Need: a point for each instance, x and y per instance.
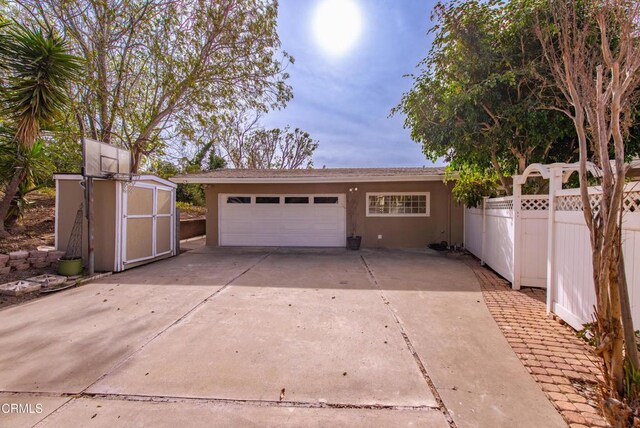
(588, 334)
(215, 161)
(472, 184)
(477, 101)
(191, 193)
(157, 69)
(163, 168)
(65, 156)
(39, 71)
(35, 166)
(631, 384)
(190, 209)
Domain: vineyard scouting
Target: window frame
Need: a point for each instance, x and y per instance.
(235, 195)
(337, 201)
(427, 212)
(255, 200)
(309, 200)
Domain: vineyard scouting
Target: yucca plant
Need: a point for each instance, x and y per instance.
(38, 70)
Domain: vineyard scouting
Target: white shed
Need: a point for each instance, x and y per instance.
(135, 223)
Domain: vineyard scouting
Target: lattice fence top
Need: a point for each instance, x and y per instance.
(569, 203)
(500, 204)
(537, 203)
(630, 203)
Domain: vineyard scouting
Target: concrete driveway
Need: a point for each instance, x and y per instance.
(257, 337)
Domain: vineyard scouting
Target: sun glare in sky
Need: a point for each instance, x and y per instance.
(337, 25)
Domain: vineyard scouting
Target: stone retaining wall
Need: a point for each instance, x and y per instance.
(23, 260)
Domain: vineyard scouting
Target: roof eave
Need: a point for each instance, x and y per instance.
(303, 180)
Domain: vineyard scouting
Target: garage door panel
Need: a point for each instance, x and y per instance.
(281, 241)
(282, 224)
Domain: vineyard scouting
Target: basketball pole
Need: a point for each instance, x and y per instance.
(88, 200)
(91, 253)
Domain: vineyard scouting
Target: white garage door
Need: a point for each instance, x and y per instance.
(282, 220)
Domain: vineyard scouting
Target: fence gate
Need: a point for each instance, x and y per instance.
(148, 224)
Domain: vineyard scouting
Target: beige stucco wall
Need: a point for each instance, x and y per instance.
(104, 216)
(443, 224)
(70, 196)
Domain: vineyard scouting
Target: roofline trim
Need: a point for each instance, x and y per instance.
(149, 177)
(304, 180)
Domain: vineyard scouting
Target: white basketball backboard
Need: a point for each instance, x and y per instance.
(104, 160)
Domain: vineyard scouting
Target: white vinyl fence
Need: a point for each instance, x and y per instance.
(523, 236)
(491, 231)
(573, 295)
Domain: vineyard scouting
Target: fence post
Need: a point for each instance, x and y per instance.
(555, 184)
(517, 232)
(484, 229)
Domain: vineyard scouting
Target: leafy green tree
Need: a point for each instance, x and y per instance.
(477, 100)
(153, 68)
(38, 71)
(215, 161)
(65, 156)
(472, 184)
(163, 168)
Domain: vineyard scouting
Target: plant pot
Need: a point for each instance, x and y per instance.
(69, 267)
(353, 242)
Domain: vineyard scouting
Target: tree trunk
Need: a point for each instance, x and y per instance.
(627, 318)
(617, 335)
(10, 193)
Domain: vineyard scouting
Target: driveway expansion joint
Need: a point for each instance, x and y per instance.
(213, 400)
(251, 402)
(423, 370)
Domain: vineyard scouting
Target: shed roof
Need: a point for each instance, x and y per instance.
(326, 175)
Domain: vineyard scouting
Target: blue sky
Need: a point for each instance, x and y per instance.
(344, 102)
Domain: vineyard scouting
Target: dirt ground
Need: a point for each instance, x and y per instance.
(37, 227)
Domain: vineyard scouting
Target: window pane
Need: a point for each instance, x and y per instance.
(325, 200)
(267, 200)
(239, 200)
(397, 204)
(296, 200)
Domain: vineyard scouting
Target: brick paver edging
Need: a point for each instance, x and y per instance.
(564, 365)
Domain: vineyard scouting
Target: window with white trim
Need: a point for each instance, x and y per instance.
(402, 204)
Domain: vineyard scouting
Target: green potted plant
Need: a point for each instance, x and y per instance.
(354, 240)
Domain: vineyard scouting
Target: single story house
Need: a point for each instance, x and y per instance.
(388, 207)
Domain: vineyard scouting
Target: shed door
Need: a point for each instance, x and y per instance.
(307, 220)
(148, 222)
